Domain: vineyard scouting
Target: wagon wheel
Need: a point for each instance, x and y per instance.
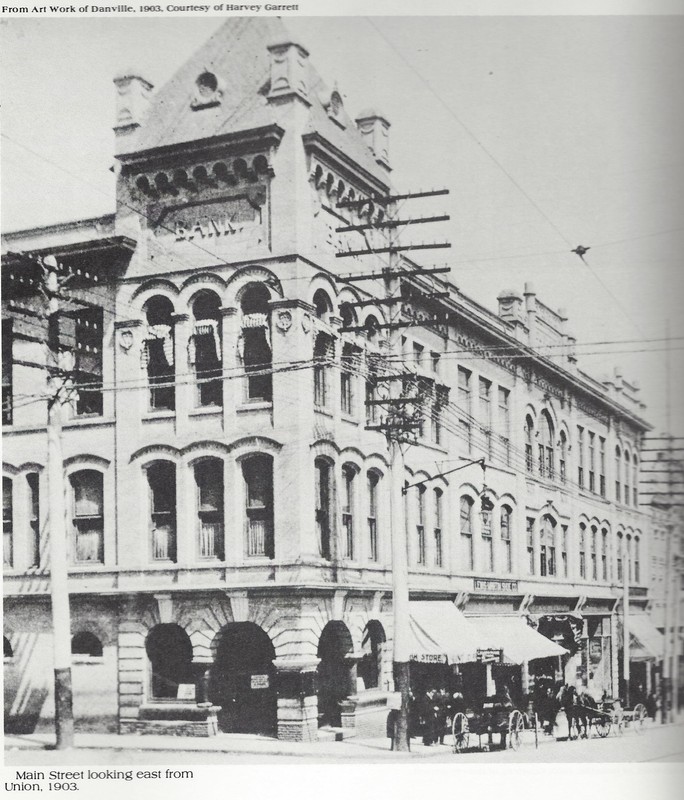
(516, 724)
(460, 732)
(603, 724)
(639, 718)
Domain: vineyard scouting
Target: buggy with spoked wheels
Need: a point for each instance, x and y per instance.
(586, 716)
(508, 723)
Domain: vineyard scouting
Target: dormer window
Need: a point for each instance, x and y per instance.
(208, 91)
(334, 108)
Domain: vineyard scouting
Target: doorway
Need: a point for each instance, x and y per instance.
(336, 676)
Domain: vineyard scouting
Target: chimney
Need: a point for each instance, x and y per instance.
(132, 100)
(374, 129)
(289, 72)
(531, 310)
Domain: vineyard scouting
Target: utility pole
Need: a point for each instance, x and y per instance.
(58, 372)
(626, 566)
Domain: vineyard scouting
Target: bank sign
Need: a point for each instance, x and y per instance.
(232, 218)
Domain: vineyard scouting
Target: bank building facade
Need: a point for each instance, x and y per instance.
(227, 507)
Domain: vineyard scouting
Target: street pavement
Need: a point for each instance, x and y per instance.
(657, 744)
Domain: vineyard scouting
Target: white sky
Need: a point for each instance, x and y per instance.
(549, 131)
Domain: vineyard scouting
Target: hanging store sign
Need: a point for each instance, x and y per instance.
(428, 658)
(259, 682)
(490, 585)
(490, 655)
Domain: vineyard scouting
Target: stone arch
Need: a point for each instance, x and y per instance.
(242, 278)
(169, 655)
(336, 673)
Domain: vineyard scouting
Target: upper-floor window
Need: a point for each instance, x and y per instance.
(161, 481)
(592, 461)
(582, 550)
(467, 531)
(204, 349)
(604, 554)
(420, 527)
(602, 466)
(373, 481)
(32, 482)
(485, 403)
(257, 472)
(635, 480)
(580, 456)
(564, 551)
(7, 370)
(627, 498)
(418, 351)
(351, 357)
(86, 644)
(324, 490)
(636, 560)
(505, 422)
(438, 498)
(465, 406)
(529, 540)
(529, 438)
(88, 516)
(348, 507)
(7, 523)
(618, 469)
(487, 541)
(546, 448)
(372, 362)
(563, 457)
(505, 525)
(593, 544)
(619, 557)
(210, 518)
(158, 353)
(256, 342)
(323, 355)
(547, 546)
(88, 345)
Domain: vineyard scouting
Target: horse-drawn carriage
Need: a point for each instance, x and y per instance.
(493, 718)
(585, 715)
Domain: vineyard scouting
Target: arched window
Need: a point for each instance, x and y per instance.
(32, 483)
(7, 651)
(161, 480)
(467, 531)
(372, 364)
(420, 526)
(210, 518)
(618, 469)
(348, 509)
(486, 534)
(547, 546)
(629, 560)
(619, 557)
(438, 495)
(583, 551)
(505, 525)
(86, 644)
(158, 353)
(324, 495)
(635, 479)
(628, 469)
(592, 460)
(204, 349)
(7, 523)
(350, 364)
(257, 472)
(563, 456)
(604, 554)
(322, 305)
(529, 437)
(255, 341)
(546, 447)
(169, 651)
(373, 481)
(593, 544)
(370, 665)
(635, 559)
(323, 355)
(87, 516)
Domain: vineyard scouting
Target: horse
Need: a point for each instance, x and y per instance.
(578, 709)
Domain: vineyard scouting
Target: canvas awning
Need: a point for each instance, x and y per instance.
(646, 641)
(515, 637)
(440, 633)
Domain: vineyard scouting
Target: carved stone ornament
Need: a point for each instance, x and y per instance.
(126, 340)
(306, 323)
(284, 321)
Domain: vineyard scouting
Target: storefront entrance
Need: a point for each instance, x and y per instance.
(242, 680)
(336, 675)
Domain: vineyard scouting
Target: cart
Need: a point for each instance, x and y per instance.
(507, 723)
(610, 716)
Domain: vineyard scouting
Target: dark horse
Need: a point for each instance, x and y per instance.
(579, 710)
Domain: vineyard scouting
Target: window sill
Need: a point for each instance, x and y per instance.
(323, 411)
(87, 659)
(350, 419)
(206, 411)
(85, 421)
(154, 415)
(255, 405)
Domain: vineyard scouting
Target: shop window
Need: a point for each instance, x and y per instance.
(88, 516)
(348, 501)
(33, 553)
(505, 524)
(373, 481)
(210, 518)
(86, 645)
(437, 531)
(257, 472)
(255, 343)
(161, 479)
(205, 351)
(7, 523)
(158, 353)
(529, 437)
(420, 527)
(323, 472)
(89, 340)
(467, 531)
(7, 370)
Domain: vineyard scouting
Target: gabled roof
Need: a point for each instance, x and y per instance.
(238, 55)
